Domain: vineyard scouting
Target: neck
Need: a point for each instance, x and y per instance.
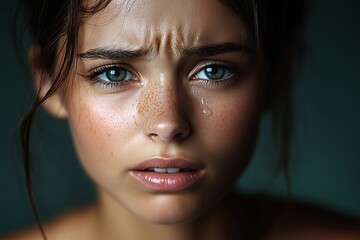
(116, 222)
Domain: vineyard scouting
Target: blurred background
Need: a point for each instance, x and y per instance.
(325, 152)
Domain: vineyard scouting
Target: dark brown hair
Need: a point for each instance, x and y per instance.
(274, 26)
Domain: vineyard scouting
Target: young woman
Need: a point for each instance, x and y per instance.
(163, 99)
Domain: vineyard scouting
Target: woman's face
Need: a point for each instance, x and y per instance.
(164, 104)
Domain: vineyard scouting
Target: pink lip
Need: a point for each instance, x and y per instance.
(190, 174)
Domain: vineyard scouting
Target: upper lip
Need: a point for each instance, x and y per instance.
(160, 162)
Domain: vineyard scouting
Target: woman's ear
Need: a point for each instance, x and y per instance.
(54, 104)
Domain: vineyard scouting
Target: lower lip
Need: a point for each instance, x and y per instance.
(168, 182)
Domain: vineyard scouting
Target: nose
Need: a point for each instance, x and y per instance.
(164, 113)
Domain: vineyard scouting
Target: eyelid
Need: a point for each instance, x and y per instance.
(93, 77)
(93, 73)
(201, 66)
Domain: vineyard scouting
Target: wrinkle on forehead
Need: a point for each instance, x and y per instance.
(163, 25)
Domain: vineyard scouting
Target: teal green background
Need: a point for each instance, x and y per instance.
(325, 154)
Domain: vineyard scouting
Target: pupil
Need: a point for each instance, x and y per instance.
(116, 75)
(214, 72)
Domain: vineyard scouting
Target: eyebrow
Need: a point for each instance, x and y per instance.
(214, 49)
(113, 53)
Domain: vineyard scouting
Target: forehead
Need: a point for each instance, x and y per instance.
(160, 23)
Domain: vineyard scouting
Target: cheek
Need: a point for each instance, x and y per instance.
(235, 121)
(238, 122)
(100, 129)
(230, 133)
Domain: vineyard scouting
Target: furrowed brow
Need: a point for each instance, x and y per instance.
(115, 54)
(214, 49)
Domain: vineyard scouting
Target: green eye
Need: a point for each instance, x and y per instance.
(214, 73)
(116, 74)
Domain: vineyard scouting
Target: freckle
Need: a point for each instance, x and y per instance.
(142, 105)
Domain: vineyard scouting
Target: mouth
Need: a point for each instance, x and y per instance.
(168, 175)
(169, 170)
(167, 165)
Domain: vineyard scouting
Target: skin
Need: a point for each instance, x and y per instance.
(165, 109)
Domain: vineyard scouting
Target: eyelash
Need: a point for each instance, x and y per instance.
(96, 80)
(233, 72)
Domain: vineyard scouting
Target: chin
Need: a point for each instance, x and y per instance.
(167, 211)
(171, 218)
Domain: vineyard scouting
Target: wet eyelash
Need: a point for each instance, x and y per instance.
(236, 75)
(93, 76)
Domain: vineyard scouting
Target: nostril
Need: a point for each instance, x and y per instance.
(153, 136)
(180, 135)
(175, 131)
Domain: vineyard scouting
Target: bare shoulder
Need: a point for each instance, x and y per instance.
(282, 220)
(72, 225)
